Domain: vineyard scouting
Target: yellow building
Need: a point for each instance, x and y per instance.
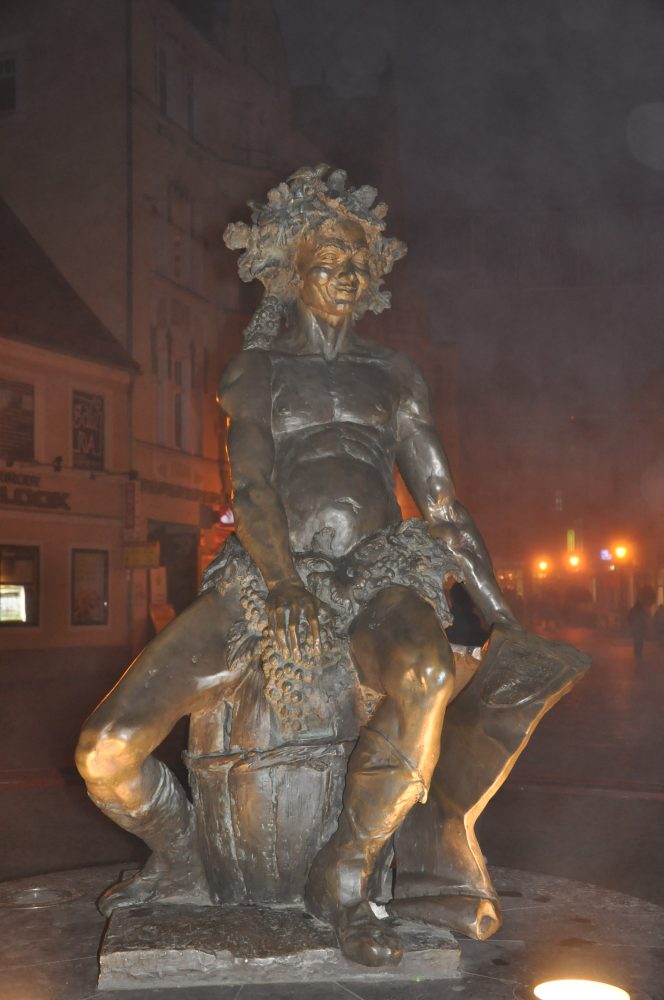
(64, 388)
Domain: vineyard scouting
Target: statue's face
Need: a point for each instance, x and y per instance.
(333, 266)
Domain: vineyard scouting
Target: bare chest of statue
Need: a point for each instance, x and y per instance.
(334, 428)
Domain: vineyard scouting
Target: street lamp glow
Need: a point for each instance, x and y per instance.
(574, 560)
(543, 565)
(620, 551)
(578, 989)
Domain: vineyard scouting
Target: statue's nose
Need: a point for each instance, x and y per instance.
(348, 270)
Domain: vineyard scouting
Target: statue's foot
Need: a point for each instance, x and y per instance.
(365, 939)
(478, 918)
(362, 936)
(157, 882)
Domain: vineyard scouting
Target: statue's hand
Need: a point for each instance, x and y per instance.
(476, 574)
(288, 603)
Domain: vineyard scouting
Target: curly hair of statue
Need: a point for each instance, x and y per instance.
(297, 207)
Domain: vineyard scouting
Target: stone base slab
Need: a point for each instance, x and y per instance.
(167, 945)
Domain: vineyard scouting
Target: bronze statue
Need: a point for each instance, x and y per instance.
(327, 606)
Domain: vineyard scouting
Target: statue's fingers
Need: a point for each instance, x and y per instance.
(294, 640)
(312, 619)
(293, 629)
(271, 622)
(280, 631)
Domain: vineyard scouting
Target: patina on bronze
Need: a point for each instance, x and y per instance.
(314, 663)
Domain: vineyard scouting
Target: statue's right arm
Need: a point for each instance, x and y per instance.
(260, 519)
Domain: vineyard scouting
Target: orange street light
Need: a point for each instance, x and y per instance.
(574, 560)
(543, 565)
(621, 552)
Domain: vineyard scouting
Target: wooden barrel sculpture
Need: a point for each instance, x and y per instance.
(267, 773)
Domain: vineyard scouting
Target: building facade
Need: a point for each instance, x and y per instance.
(130, 140)
(64, 389)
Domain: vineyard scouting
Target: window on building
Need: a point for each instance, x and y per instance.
(89, 587)
(163, 413)
(154, 350)
(87, 430)
(182, 397)
(192, 362)
(8, 91)
(206, 370)
(162, 80)
(189, 98)
(199, 429)
(177, 406)
(177, 419)
(19, 585)
(177, 257)
(17, 421)
(169, 353)
(178, 233)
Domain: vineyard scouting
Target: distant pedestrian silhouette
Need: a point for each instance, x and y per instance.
(638, 619)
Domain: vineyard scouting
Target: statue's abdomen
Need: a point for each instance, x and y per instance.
(333, 502)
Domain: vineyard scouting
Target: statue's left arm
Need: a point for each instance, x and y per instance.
(423, 464)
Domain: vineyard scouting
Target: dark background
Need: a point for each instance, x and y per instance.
(524, 156)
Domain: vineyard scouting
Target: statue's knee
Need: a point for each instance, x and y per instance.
(104, 756)
(425, 671)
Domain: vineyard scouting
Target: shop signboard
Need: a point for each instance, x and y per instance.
(143, 555)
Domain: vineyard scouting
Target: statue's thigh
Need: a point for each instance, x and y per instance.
(177, 673)
(397, 642)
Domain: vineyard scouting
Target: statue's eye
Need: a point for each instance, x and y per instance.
(361, 260)
(329, 257)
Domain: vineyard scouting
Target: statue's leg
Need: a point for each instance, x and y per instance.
(441, 874)
(401, 651)
(174, 675)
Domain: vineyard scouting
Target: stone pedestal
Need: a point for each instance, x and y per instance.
(167, 946)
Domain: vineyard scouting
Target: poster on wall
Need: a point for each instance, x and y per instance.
(89, 587)
(87, 430)
(17, 421)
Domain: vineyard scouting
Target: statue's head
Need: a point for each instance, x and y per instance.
(318, 241)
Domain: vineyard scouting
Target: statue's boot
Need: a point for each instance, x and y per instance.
(166, 823)
(381, 788)
(441, 873)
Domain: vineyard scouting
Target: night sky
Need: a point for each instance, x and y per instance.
(520, 117)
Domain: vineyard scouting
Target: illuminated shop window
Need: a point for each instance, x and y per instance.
(89, 587)
(19, 585)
